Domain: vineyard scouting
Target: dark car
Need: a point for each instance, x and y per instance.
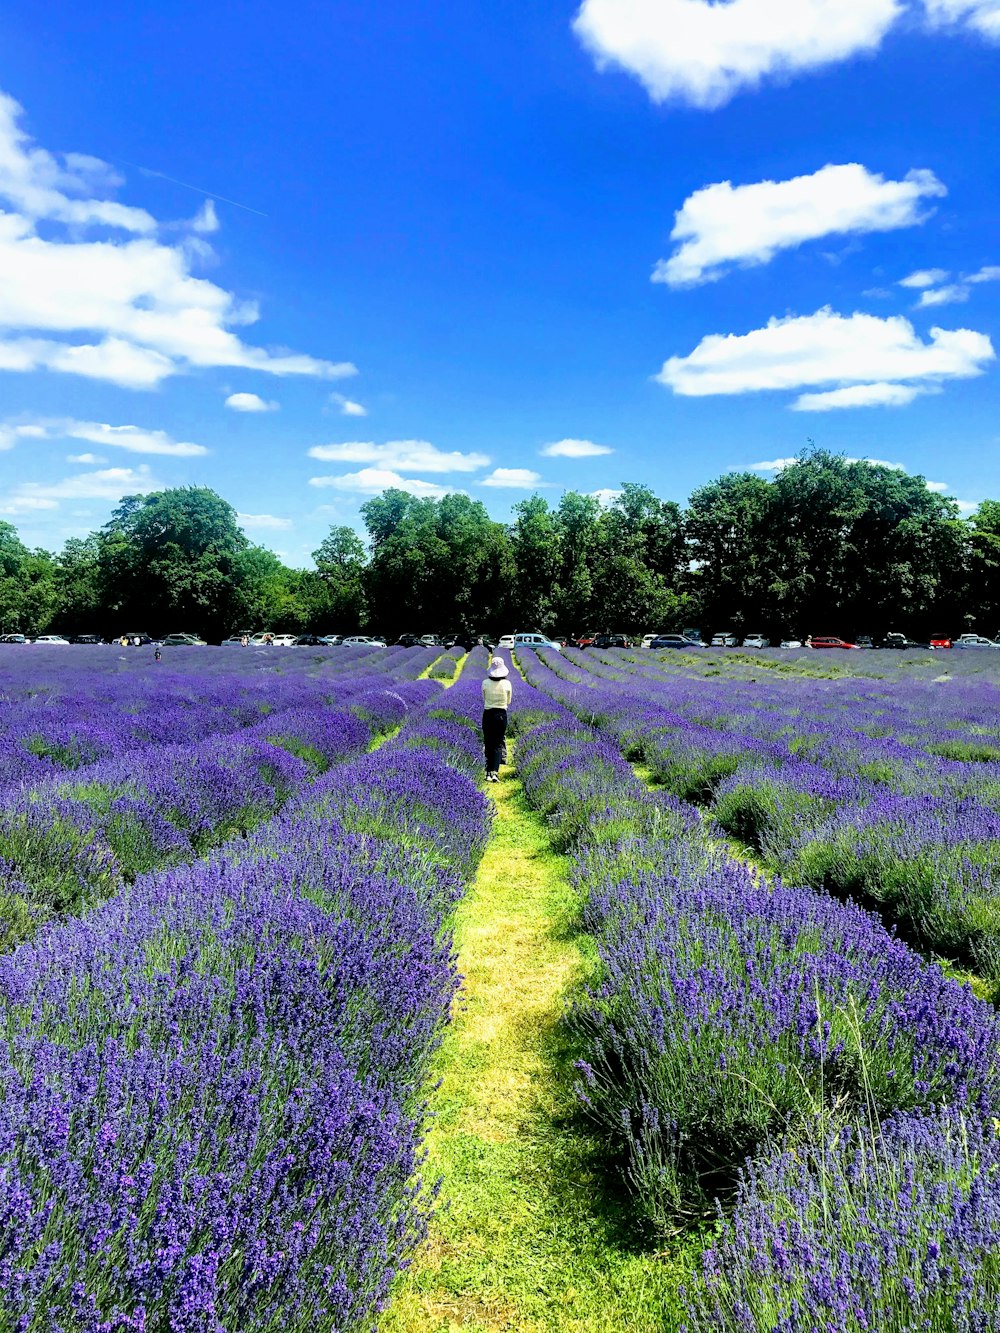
(827, 642)
(612, 641)
(865, 641)
(675, 641)
(86, 638)
(408, 641)
(183, 641)
(310, 641)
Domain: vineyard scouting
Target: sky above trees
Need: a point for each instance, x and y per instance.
(304, 256)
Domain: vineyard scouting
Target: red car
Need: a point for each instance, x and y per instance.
(940, 641)
(831, 643)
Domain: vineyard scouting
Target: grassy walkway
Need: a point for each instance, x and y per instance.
(529, 1236)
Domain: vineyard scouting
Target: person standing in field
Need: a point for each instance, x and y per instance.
(496, 701)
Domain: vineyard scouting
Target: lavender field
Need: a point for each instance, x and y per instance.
(243, 896)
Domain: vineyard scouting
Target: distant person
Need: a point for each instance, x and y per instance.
(244, 640)
(496, 701)
(809, 641)
(157, 654)
(124, 641)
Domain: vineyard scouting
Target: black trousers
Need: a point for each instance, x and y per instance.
(494, 731)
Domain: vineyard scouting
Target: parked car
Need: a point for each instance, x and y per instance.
(647, 639)
(612, 641)
(432, 641)
(234, 641)
(408, 641)
(13, 638)
(940, 641)
(183, 641)
(725, 641)
(865, 641)
(534, 641)
(134, 639)
(974, 641)
(583, 640)
(283, 641)
(693, 634)
(52, 641)
(675, 641)
(332, 640)
(791, 643)
(262, 638)
(827, 642)
(310, 641)
(505, 641)
(86, 638)
(756, 641)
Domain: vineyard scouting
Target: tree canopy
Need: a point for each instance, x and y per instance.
(831, 545)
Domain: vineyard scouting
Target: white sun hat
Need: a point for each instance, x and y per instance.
(498, 669)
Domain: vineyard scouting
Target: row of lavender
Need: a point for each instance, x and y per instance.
(213, 1083)
(888, 792)
(768, 1047)
(78, 831)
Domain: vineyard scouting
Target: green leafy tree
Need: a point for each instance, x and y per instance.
(170, 560)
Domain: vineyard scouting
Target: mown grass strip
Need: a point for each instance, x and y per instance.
(530, 1235)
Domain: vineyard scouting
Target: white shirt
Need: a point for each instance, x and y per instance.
(496, 693)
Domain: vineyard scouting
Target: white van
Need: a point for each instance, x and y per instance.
(534, 641)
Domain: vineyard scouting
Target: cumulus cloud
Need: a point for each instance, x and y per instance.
(249, 402)
(348, 407)
(574, 449)
(704, 53)
(126, 309)
(779, 464)
(606, 496)
(416, 455)
(268, 521)
(516, 478)
(136, 439)
(827, 349)
(967, 506)
(859, 395)
(938, 487)
(721, 225)
(373, 480)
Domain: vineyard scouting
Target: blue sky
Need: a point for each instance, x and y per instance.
(491, 229)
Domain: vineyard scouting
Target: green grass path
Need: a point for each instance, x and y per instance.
(528, 1236)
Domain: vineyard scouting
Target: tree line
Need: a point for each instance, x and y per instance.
(829, 546)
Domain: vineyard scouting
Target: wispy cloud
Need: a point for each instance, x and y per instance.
(724, 225)
(348, 407)
(574, 449)
(413, 455)
(136, 439)
(263, 521)
(374, 480)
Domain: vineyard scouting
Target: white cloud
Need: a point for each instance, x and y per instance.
(960, 290)
(859, 395)
(516, 478)
(924, 277)
(348, 408)
(826, 349)
(606, 496)
(108, 484)
(135, 439)
(704, 53)
(249, 402)
(574, 449)
(416, 455)
(772, 465)
(141, 313)
(721, 225)
(967, 506)
(982, 15)
(91, 460)
(938, 487)
(11, 432)
(263, 521)
(373, 480)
